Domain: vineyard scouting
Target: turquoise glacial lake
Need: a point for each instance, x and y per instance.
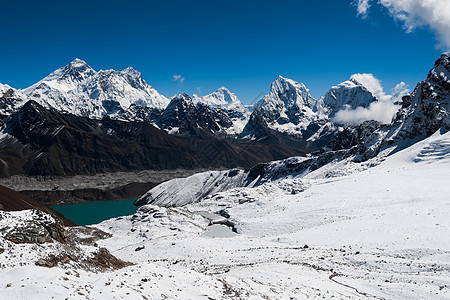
(89, 213)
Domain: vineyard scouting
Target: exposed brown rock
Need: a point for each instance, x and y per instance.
(13, 201)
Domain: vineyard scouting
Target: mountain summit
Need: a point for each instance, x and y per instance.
(349, 94)
(78, 89)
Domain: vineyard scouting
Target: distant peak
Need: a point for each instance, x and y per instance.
(78, 66)
(78, 63)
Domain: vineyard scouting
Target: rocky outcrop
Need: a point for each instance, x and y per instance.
(427, 109)
(34, 226)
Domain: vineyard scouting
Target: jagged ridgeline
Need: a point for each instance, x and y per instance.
(80, 121)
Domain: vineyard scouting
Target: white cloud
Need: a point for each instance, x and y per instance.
(363, 7)
(417, 13)
(178, 78)
(382, 110)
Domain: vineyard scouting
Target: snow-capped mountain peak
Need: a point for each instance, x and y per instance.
(287, 94)
(77, 71)
(78, 89)
(288, 108)
(221, 98)
(291, 92)
(78, 63)
(349, 94)
(288, 102)
(228, 103)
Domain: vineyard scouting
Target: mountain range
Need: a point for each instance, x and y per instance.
(124, 95)
(80, 121)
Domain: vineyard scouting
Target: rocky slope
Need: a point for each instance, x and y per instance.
(427, 109)
(38, 141)
(13, 201)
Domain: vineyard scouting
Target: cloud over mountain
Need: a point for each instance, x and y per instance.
(382, 110)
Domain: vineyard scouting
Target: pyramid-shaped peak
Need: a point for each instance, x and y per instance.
(78, 63)
(77, 66)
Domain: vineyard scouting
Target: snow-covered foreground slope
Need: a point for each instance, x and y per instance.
(380, 232)
(377, 230)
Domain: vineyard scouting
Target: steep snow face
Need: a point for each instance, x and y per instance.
(127, 87)
(78, 89)
(349, 94)
(428, 107)
(181, 191)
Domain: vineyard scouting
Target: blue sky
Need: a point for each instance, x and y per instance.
(243, 45)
